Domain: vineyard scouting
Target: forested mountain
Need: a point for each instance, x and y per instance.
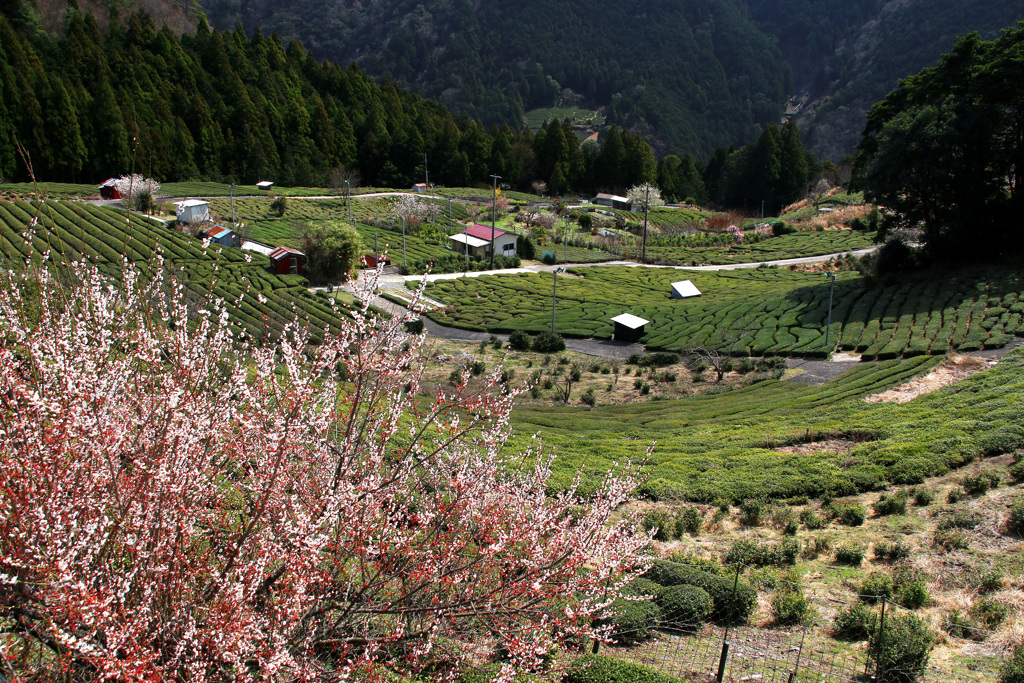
(689, 76)
(85, 105)
(848, 54)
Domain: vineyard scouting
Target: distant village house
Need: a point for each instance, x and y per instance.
(218, 234)
(476, 239)
(613, 200)
(108, 190)
(192, 211)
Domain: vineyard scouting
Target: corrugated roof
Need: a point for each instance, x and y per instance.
(686, 289)
(109, 182)
(281, 252)
(463, 238)
(483, 232)
(192, 202)
(630, 321)
(217, 232)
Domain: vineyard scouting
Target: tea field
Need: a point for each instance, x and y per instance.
(728, 445)
(795, 245)
(762, 311)
(260, 303)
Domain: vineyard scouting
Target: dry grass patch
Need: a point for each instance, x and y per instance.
(952, 370)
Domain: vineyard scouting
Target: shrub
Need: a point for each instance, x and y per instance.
(990, 581)
(980, 483)
(720, 588)
(600, 669)
(891, 504)
(817, 545)
(923, 496)
(762, 554)
(812, 520)
(632, 620)
(689, 521)
(790, 607)
(684, 607)
(951, 539)
(959, 625)
(989, 613)
(746, 366)
(548, 342)
(875, 586)
(1015, 522)
(912, 595)
(954, 496)
(589, 398)
(653, 360)
(903, 652)
(850, 514)
(1016, 471)
(856, 622)
(279, 205)
(961, 519)
(850, 554)
(478, 368)
(752, 512)
(519, 340)
(891, 551)
(1013, 667)
(659, 520)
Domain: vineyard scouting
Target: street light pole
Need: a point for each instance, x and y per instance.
(554, 289)
(231, 189)
(494, 204)
(565, 237)
(831, 289)
(403, 240)
(348, 200)
(647, 203)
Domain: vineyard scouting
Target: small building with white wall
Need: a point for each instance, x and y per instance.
(192, 211)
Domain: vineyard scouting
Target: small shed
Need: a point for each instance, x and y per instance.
(628, 328)
(193, 211)
(108, 190)
(218, 234)
(287, 261)
(684, 290)
(463, 243)
(613, 200)
(419, 188)
(264, 185)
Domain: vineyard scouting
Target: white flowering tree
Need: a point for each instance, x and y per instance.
(178, 503)
(137, 191)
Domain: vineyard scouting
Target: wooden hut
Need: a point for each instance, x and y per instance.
(628, 328)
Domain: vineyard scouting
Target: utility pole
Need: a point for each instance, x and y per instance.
(554, 289)
(231, 189)
(565, 251)
(647, 203)
(831, 289)
(426, 174)
(403, 241)
(494, 204)
(762, 209)
(348, 200)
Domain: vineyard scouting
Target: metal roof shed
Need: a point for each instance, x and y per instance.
(628, 328)
(684, 290)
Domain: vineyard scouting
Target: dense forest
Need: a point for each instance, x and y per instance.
(688, 76)
(85, 105)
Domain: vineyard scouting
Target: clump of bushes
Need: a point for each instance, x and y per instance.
(922, 496)
(762, 554)
(980, 483)
(790, 606)
(902, 653)
(1013, 667)
(519, 340)
(892, 504)
(850, 514)
(548, 342)
(684, 607)
(632, 620)
(850, 553)
(891, 551)
(961, 519)
(812, 520)
(855, 622)
(752, 512)
(1015, 522)
(653, 360)
(600, 669)
(727, 606)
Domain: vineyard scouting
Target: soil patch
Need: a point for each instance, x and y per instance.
(827, 446)
(951, 371)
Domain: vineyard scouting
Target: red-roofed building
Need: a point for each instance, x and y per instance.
(218, 234)
(477, 238)
(108, 190)
(287, 261)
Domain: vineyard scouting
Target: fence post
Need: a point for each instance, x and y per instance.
(879, 669)
(725, 637)
(799, 653)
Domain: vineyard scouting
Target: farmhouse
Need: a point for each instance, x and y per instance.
(628, 328)
(218, 234)
(108, 190)
(613, 200)
(286, 261)
(192, 211)
(477, 239)
(684, 290)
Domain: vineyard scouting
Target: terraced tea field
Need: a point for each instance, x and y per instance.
(763, 311)
(727, 445)
(259, 302)
(795, 245)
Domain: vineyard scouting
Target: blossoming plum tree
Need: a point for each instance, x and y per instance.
(180, 503)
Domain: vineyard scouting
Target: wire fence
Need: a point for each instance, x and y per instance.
(836, 638)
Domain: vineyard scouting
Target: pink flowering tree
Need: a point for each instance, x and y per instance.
(179, 503)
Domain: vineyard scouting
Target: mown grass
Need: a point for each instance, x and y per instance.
(721, 445)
